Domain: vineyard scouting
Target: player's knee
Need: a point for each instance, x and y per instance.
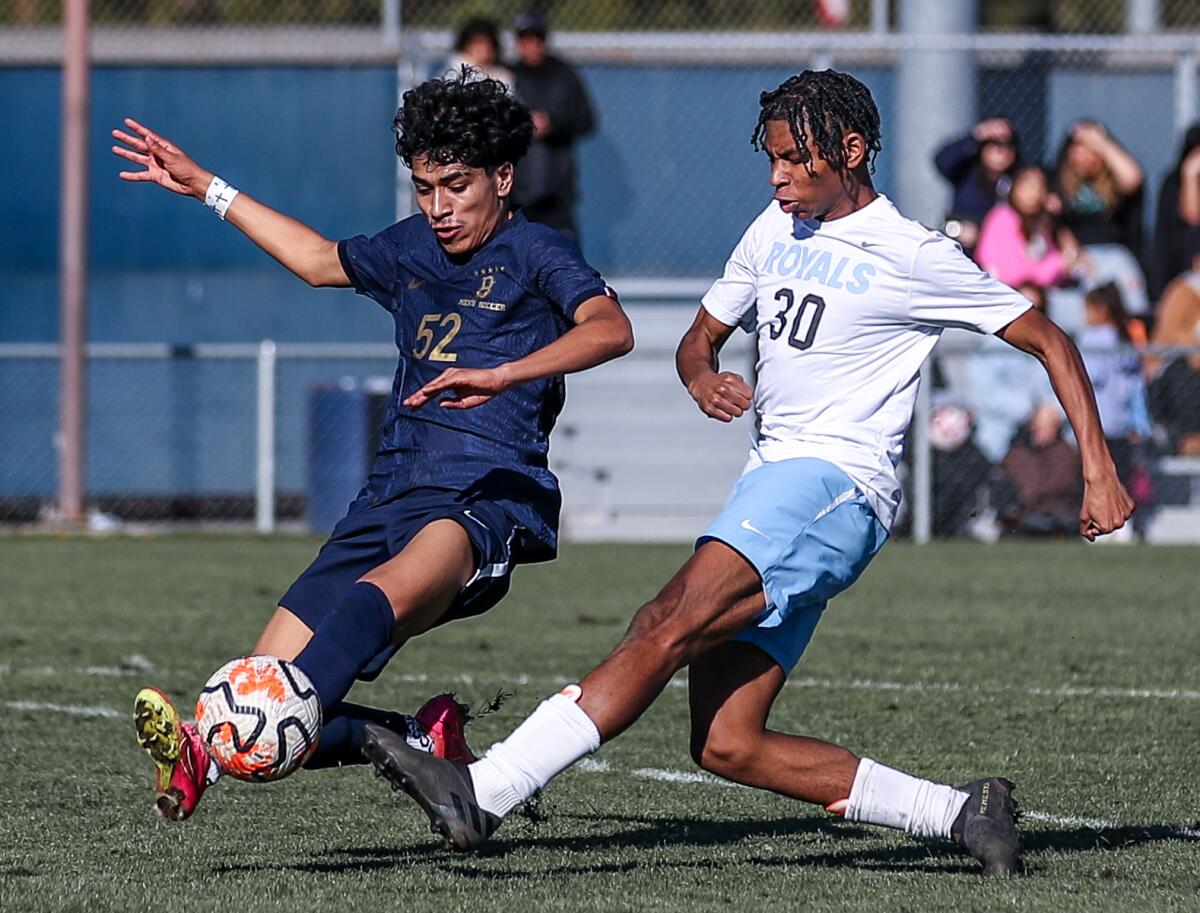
(726, 751)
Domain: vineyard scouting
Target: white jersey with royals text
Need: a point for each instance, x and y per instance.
(846, 311)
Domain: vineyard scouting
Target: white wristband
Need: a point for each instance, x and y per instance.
(219, 196)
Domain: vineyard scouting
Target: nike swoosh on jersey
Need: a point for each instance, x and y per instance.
(746, 524)
(416, 283)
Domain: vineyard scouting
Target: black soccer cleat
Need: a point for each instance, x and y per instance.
(442, 788)
(987, 826)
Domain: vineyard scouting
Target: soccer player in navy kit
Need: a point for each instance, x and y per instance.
(490, 312)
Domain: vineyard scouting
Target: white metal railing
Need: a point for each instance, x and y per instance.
(323, 44)
(649, 361)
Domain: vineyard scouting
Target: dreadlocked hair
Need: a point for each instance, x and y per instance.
(821, 105)
(462, 118)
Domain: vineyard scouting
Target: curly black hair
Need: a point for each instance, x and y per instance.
(822, 105)
(462, 118)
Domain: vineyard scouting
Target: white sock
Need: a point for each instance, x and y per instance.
(556, 735)
(881, 795)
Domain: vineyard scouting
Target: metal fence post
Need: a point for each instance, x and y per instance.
(264, 495)
(390, 21)
(405, 46)
(922, 462)
(1185, 92)
(879, 17)
(73, 258)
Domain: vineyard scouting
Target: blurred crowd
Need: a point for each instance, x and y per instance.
(1069, 236)
(546, 186)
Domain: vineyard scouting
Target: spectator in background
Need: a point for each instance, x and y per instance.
(1175, 392)
(979, 166)
(960, 470)
(1019, 241)
(562, 114)
(1100, 187)
(1178, 211)
(1044, 481)
(1179, 309)
(1003, 387)
(478, 47)
(1116, 375)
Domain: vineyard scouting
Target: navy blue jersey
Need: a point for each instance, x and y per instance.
(513, 296)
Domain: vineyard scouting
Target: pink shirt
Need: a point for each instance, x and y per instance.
(1003, 251)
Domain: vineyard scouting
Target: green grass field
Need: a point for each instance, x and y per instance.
(1072, 669)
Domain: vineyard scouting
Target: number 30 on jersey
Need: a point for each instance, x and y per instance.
(805, 322)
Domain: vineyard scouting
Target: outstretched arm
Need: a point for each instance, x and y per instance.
(601, 332)
(1106, 503)
(1126, 171)
(305, 252)
(722, 395)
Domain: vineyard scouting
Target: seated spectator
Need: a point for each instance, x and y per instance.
(1175, 392)
(1003, 387)
(1044, 484)
(1178, 211)
(478, 47)
(1175, 401)
(1179, 309)
(1099, 185)
(979, 167)
(960, 470)
(1116, 375)
(1018, 242)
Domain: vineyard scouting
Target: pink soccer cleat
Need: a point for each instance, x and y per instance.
(177, 750)
(444, 719)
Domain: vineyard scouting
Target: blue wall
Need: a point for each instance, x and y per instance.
(668, 184)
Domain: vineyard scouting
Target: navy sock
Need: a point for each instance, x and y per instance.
(341, 736)
(346, 640)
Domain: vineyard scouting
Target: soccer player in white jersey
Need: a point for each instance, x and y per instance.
(847, 298)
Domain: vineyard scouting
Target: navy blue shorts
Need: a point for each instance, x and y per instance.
(367, 537)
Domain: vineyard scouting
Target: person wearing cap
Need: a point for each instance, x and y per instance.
(562, 114)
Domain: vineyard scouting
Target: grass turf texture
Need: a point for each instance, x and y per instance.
(75, 792)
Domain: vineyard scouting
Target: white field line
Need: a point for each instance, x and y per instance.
(1067, 821)
(69, 709)
(600, 766)
(1099, 824)
(518, 679)
(954, 687)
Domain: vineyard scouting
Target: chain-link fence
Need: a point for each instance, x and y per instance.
(674, 86)
(1093, 16)
(292, 101)
(281, 436)
(991, 453)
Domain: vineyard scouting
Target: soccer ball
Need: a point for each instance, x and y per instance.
(260, 717)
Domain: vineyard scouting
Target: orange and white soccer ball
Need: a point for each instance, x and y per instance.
(260, 717)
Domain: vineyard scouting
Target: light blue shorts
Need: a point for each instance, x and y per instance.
(810, 533)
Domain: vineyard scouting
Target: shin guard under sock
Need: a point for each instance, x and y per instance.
(347, 639)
